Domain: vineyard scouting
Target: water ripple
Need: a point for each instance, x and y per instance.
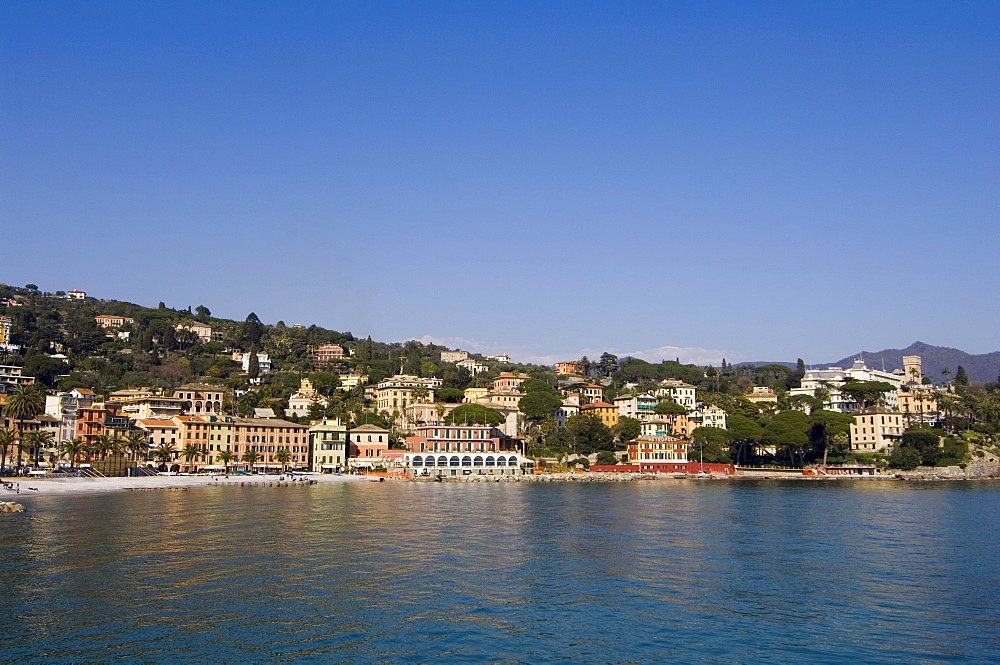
(414, 573)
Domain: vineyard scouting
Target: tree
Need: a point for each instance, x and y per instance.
(669, 407)
(136, 443)
(283, 457)
(7, 438)
(450, 395)
(474, 414)
(746, 433)
(961, 377)
(72, 449)
(627, 429)
(104, 445)
(867, 393)
(788, 432)
(250, 457)
(252, 330)
(247, 402)
(904, 458)
(44, 368)
(925, 441)
(203, 313)
(608, 363)
(253, 363)
(40, 440)
(795, 378)
(316, 411)
(606, 458)
(191, 451)
(539, 404)
(589, 434)
(27, 401)
(711, 445)
(226, 457)
(164, 452)
(325, 383)
(830, 430)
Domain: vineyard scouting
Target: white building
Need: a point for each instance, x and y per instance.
(473, 366)
(305, 397)
(678, 391)
(831, 379)
(466, 464)
(263, 360)
(708, 416)
(570, 407)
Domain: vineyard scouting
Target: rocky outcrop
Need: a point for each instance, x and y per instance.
(983, 470)
(11, 507)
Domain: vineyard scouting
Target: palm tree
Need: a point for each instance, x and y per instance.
(41, 440)
(103, 445)
(7, 437)
(72, 449)
(136, 442)
(251, 457)
(164, 452)
(283, 457)
(27, 401)
(191, 451)
(226, 457)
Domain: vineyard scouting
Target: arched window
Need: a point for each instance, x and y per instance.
(501, 461)
(466, 461)
(443, 461)
(477, 461)
(454, 461)
(418, 461)
(490, 461)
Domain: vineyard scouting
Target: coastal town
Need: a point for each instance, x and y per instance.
(102, 388)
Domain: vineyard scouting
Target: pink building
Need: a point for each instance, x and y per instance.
(461, 438)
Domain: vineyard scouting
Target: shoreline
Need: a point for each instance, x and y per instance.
(41, 486)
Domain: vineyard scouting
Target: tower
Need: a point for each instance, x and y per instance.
(912, 370)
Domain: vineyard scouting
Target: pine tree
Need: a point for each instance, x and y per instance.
(253, 364)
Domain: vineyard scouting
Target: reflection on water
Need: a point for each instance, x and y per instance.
(697, 571)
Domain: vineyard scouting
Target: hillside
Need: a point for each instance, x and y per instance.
(983, 367)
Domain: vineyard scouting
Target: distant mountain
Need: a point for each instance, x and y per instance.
(983, 367)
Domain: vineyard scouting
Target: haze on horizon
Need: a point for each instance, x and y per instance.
(754, 181)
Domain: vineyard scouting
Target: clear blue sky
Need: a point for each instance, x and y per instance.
(754, 180)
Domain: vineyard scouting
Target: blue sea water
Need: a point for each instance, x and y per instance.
(642, 572)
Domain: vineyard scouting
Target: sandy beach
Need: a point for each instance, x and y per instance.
(41, 486)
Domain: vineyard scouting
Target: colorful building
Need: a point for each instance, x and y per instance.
(606, 413)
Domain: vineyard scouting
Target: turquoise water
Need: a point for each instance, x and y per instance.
(699, 571)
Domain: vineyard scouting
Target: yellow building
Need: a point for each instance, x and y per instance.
(876, 430)
(606, 413)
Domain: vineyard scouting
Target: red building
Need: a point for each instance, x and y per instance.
(659, 454)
